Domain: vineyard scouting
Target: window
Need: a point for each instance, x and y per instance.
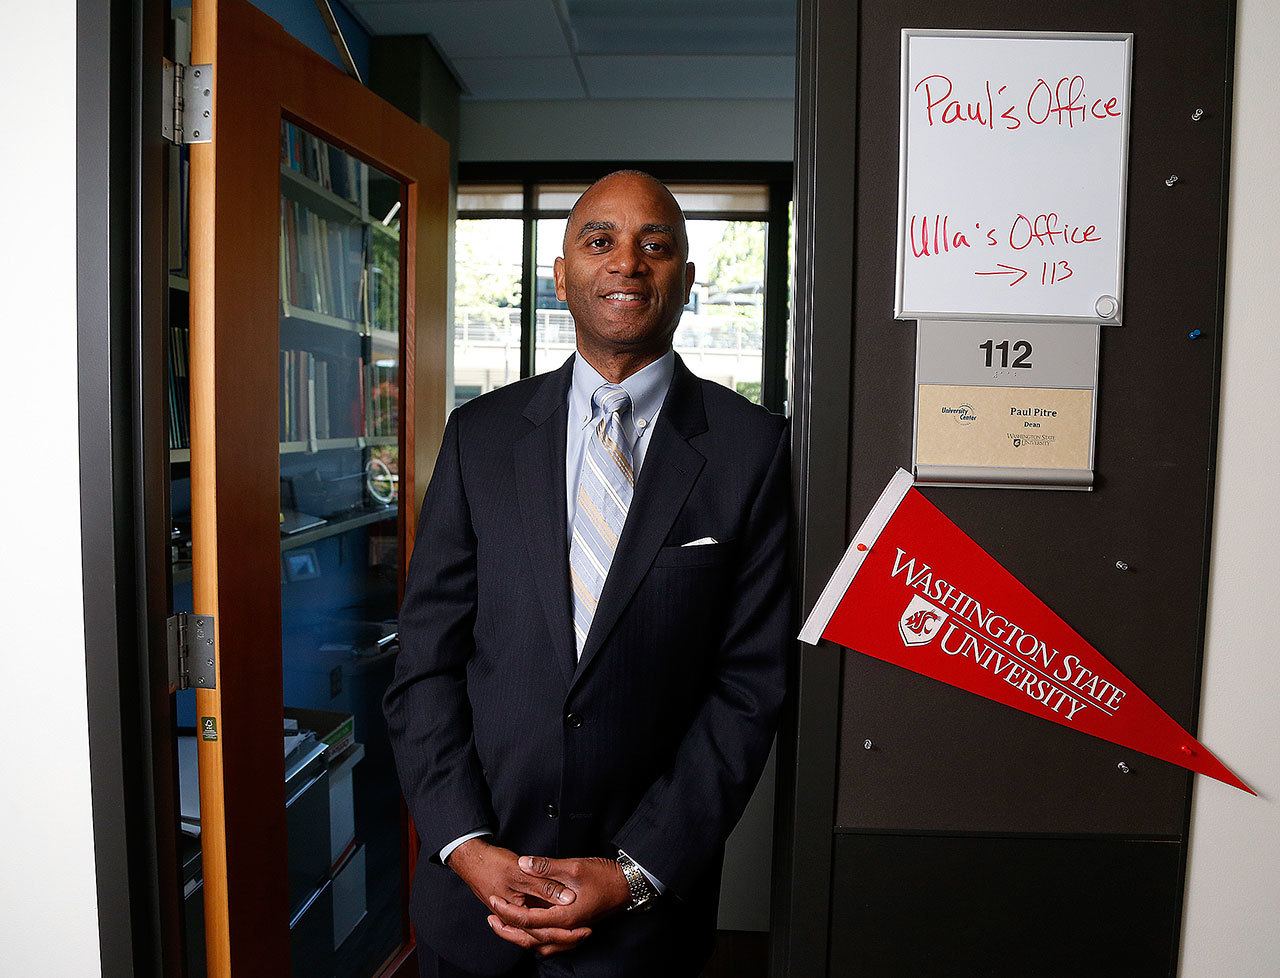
(486, 305)
(733, 330)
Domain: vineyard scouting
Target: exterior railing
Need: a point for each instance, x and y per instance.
(500, 326)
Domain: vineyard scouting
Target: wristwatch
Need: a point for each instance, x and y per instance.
(642, 892)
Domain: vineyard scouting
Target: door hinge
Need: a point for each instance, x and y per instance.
(192, 661)
(188, 102)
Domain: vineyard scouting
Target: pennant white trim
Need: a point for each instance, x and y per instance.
(852, 560)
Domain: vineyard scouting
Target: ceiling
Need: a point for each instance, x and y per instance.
(503, 50)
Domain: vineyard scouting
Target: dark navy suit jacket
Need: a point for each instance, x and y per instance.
(653, 741)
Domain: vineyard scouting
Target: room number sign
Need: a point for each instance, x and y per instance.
(1005, 404)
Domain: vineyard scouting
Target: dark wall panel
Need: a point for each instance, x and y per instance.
(1003, 908)
(945, 760)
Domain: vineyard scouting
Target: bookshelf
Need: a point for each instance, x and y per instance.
(182, 567)
(340, 339)
(319, 199)
(305, 537)
(332, 248)
(289, 311)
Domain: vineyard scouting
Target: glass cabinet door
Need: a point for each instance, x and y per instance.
(317, 257)
(340, 406)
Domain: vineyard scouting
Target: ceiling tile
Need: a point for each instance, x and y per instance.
(689, 76)
(694, 27)
(474, 28)
(519, 78)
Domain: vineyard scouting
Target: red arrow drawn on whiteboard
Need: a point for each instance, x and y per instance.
(1008, 270)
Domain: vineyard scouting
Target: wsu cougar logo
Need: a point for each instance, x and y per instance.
(920, 622)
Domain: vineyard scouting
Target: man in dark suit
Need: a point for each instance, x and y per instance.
(594, 632)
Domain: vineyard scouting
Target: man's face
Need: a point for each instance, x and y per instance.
(624, 272)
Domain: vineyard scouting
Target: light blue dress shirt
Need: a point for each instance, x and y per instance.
(648, 389)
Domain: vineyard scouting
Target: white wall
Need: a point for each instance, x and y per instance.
(642, 129)
(48, 901)
(1232, 921)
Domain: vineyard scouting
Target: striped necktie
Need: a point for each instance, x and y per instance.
(605, 486)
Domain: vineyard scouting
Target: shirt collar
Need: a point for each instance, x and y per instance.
(647, 387)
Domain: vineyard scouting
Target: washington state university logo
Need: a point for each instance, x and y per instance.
(920, 622)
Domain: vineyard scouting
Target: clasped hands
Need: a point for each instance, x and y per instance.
(542, 904)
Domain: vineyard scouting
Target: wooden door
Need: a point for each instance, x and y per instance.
(317, 254)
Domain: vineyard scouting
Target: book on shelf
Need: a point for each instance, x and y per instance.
(330, 167)
(179, 389)
(311, 402)
(321, 262)
(323, 427)
(321, 397)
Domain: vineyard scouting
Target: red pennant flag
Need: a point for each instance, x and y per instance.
(914, 590)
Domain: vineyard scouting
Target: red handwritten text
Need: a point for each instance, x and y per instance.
(937, 234)
(1047, 230)
(940, 240)
(1064, 102)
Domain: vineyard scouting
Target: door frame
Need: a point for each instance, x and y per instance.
(821, 418)
(122, 294)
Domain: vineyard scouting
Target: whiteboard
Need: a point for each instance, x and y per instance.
(1013, 167)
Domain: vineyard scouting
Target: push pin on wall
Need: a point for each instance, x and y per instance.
(1194, 334)
(1171, 179)
(1197, 115)
(1122, 767)
(862, 546)
(866, 744)
(1121, 565)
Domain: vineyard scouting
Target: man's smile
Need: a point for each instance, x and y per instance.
(625, 298)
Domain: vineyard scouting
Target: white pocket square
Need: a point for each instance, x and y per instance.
(700, 542)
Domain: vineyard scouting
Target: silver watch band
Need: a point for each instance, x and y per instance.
(642, 891)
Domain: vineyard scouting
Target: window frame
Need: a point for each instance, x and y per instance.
(776, 178)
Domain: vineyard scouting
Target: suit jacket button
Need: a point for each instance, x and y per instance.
(552, 811)
(573, 720)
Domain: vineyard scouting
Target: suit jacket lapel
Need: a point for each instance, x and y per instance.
(671, 466)
(539, 471)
